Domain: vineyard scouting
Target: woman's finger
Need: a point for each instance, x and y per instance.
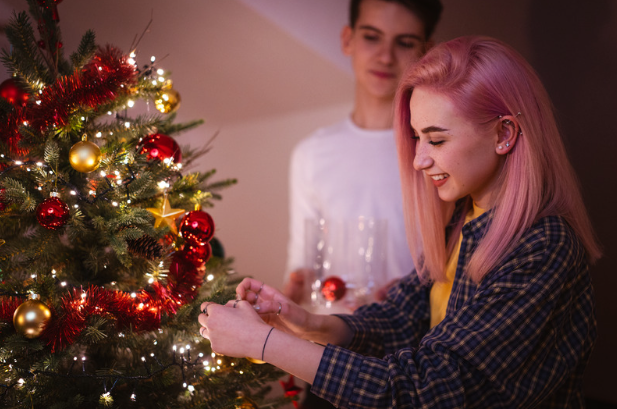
(247, 286)
(203, 331)
(269, 307)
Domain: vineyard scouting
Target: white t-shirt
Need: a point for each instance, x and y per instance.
(344, 172)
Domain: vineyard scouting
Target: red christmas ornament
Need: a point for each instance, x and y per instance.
(52, 213)
(161, 147)
(183, 282)
(180, 266)
(333, 288)
(10, 91)
(197, 228)
(198, 255)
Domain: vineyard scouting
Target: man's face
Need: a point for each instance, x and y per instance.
(387, 38)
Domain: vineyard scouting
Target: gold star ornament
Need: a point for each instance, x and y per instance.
(166, 215)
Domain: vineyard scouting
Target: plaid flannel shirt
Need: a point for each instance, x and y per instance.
(521, 338)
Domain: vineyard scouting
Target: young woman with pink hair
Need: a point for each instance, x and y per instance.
(500, 310)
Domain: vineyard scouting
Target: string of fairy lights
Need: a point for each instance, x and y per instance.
(167, 100)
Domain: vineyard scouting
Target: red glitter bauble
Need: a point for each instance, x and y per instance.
(52, 213)
(10, 91)
(197, 228)
(333, 288)
(198, 255)
(161, 147)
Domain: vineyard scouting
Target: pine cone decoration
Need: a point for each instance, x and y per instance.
(146, 247)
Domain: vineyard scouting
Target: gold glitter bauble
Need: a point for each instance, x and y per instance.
(30, 318)
(85, 156)
(168, 100)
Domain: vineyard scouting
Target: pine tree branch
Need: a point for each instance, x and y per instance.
(85, 51)
(25, 59)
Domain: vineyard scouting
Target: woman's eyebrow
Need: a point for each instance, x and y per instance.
(430, 129)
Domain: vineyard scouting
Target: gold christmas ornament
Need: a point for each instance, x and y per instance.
(242, 402)
(166, 215)
(85, 156)
(255, 361)
(31, 316)
(167, 100)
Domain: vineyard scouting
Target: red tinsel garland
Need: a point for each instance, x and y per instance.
(101, 80)
(140, 313)
(8, 305)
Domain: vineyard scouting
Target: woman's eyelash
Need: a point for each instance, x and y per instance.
(435, 143)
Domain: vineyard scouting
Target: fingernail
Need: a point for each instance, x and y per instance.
(257, 307)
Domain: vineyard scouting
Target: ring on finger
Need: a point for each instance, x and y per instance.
(205, 310)
(236, 303)
(258, 291)
(280, 308)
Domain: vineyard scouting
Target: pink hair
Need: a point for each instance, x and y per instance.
(485, 78)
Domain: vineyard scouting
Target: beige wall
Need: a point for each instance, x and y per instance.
(252, 218)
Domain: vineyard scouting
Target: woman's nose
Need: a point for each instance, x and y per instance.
(422, 160)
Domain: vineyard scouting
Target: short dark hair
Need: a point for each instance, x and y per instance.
(429, 11)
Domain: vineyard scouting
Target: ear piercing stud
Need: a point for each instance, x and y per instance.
(507, 144)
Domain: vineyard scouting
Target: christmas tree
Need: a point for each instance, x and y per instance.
(105, 251)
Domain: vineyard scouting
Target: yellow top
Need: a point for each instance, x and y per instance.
(440, 291)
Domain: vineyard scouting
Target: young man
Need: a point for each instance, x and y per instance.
(350, 169)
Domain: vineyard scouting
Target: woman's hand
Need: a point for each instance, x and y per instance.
(276, 309)
(233, 330)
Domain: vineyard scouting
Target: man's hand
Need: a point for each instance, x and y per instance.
(294, 288)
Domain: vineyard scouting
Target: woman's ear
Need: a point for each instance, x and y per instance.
(508, 131)
(346, 36)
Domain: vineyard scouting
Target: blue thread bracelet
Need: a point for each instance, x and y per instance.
(265, 342)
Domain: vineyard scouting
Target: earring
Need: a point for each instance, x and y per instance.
(507, 144)
(507, 122)
(500, 147)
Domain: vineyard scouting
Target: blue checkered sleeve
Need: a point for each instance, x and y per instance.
(384, 328)
(519, 339)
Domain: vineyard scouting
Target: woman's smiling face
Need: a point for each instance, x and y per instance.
(461, 158)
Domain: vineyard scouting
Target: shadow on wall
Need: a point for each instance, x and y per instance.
(574, 49)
